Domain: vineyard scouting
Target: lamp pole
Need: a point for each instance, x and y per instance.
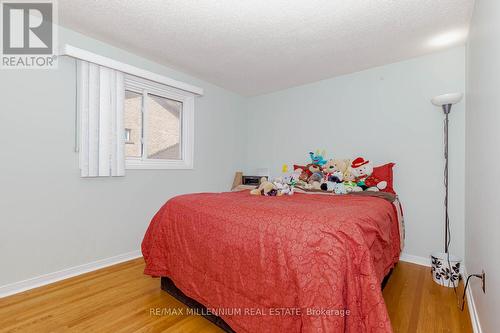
(446, 110)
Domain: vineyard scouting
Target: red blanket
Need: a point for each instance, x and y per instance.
(301, 263)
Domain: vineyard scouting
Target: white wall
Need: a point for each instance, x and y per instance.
(482, 222)
(50, 218)
(383, 114)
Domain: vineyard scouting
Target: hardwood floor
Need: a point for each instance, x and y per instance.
(417, 304)
(121, 299)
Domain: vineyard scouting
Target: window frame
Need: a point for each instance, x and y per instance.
(145, 87)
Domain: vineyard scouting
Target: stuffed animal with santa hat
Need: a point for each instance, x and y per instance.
(362, 170)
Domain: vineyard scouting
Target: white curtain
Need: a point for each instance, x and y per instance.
(100, 98)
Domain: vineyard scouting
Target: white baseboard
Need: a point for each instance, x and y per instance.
(476, 327)
(471, 304)
(424, 261)
(42, 280)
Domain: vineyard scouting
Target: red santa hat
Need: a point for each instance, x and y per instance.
(359, 162)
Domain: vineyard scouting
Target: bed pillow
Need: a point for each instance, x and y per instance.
(303, 168)
(296, 166)
(384, 172)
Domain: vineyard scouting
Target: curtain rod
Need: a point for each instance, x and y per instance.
(81, 54)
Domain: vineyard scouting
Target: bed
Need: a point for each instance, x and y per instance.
(300, 263)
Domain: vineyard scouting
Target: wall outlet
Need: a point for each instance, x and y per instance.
(483, 281)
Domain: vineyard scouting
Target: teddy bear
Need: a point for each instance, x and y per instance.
(266, 188)
(313, 168)
(362, 171)
(335, 165)
(329, 167)
(316, 176)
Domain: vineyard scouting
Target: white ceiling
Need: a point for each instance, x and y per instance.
(259, 46)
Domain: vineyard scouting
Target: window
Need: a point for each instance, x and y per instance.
(158, 122)
(128, 133)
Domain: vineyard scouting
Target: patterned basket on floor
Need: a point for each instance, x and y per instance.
(445, 269)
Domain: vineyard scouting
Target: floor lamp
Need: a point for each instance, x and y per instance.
(446, 267)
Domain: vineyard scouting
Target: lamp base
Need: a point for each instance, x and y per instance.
(446, 269)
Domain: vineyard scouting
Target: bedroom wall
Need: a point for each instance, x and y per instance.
(383, 114)
(482, 211)
(50, 218)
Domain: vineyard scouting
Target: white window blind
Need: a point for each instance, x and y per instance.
(100, 97)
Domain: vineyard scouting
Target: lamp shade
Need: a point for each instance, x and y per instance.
(446, 99)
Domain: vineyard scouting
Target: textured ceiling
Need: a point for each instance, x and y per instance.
(260, 46)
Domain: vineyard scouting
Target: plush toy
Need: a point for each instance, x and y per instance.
(329, 168)
(303, 172)
(336, 165)
(328, 186)
(362, 171)
(265, 188)
(317, 158)
(350, 181)
(283, 187)
(339, 188)
(315, 180)
(306, 172)
(287, 190)
(313, 168)
(334, 183)
(315, 176)
(293, 178)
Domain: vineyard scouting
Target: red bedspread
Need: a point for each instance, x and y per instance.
(301, 263)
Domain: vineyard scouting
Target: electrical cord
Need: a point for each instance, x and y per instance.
(465, 289)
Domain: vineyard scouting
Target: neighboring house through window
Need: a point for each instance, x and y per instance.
(128, 133)
(158, 122)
